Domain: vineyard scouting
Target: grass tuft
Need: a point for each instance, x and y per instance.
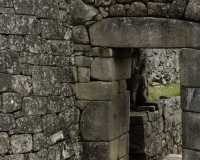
(168, 90)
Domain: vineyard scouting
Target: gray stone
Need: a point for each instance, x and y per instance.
(177, 9)
(4, 143)
(192, 10)
(59, 136)
(106, 90)
(7, 10)
(11, 102)
(189, 65)
(19, 24)
(130, 35)
(68, 149)
(35, 44)
(10, 62)
(138, 118)
(82, 47)
(29, 58)
(110, 69)
(69, 74)
(39, 142)
(31, 156)
(7, 122)
(22, 84)
(62, 4)
(81, 12)
(117, 10)
(69, 117)
(3, 42)
(122, 86)
(100, 118)
(67, 89)
(24, 7)
(190, 154)
(29, 124)
(80, 35)
(21, 143)
(15, 157)
(123, 145)
(52, 29)
(54, 153)
(6, 3)
(54, 104)
(46, 9)
(100, 150)
(49, 60)
(5, 82)
(34, 105)
(82, 104)
(50, 124)
(58, 47)
(157, 9)
(83, 74)
(190, 130)
(16, 43)
(102, 3)
(103, 12)
(146, 108)
(137, 9)
(42, 154)
(82, 61)
(46, 80)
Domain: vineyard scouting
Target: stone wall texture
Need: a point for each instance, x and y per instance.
(156, 130)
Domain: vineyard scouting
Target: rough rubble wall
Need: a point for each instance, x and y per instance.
(156, 130)
(38, 117)
(162, 66)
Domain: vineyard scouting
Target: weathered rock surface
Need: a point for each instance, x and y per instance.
(80, 35)
(192, 10)
(5, 82)
(190, 154)
(177, 9)
(137, 9)
(4, 143)
(7, 122)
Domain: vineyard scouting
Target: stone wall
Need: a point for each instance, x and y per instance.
(162, 66)
(156, 130)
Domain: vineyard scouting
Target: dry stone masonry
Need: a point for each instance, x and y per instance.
(63, 71)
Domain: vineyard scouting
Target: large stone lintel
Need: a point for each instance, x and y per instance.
(148, 32)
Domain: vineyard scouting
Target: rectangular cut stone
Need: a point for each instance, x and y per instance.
(191, 130)
(19, 24)
(138, 118)
(7, 122)
(124, 145)
(111, 69)
(100, 150)
(190, 99)
(106, 120)
(96, 90)
(190, 154)
(189, 64)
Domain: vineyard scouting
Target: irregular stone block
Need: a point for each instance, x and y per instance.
(69, 117)
(48, 60)
(3, 42)
(111, 69)
(42, 154)
(35, 44)
(54, 153)
(100, 150)
(191, 131)
(138, 118)
(10, 62)
(123, 145)
(16, 43)
(177, 9)
(58, 47)
(7, 10)
(22, 84)
(68, 149)
(69, 74)
(82, 47)
(11, 102)
(137, 9)
(52, 29)
(19, 24)
(117, 10)
(46, 9)
(157, 9)
(67, 89)
(146, 108)
(39, 141)
(29, 58)
(31, 156)
(82, 104)
(81, 12)
(102, 3)
(82, 61)
(6, 3)
(106, 90)
(80, 35)
(46, 80)
(34, 105)
(50, 124)
(21, 143)
(4, 143)
(190, 154)
(189, 68)
(24, 7)
(15, 157)
(129, 28)
(83, 74)
(7, 122)
(100, 118)
(192, 10)
(29, 124)
(27, 69)
(5, 82)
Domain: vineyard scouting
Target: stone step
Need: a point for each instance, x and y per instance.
(173, 157)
